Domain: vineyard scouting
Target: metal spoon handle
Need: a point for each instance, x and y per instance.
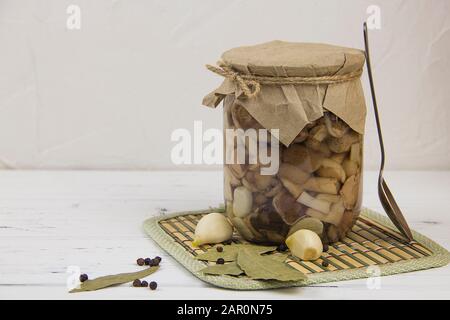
(386, 198)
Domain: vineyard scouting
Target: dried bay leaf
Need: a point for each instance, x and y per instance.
(231, 269)
(260, 267)
(107, 281)
(281, 257)
(230, 252)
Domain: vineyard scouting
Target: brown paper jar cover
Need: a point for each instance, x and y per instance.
(321, 127)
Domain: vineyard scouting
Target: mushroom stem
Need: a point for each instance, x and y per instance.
(328, 197)
(338, 157)
(232, 179)
(302, 136)
(331, 169)
(311, 202)
(308, 223)
(228, 190)
(238, 170)
(349, 192)
(355, 153)
(334, 217)
(318, 133)
(306, 159)
(336, 127)
(316, 136)
(350, 167)
(292, 173)
(293, 188)
(322, 185)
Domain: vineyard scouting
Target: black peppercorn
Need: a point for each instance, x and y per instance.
(155, 262)
(157, 258)
(325, 264)
(153, 285)
(148, 261)
(83, 277)
(140, 262)
(136, 283)
(219, 249)
(144, 283)
(220, 261)
(325, 248)
(282, 247)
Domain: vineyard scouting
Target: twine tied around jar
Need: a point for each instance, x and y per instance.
(251, 84)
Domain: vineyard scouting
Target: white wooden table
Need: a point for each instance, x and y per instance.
(51, 220)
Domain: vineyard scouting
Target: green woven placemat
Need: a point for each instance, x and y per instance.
(372, 242)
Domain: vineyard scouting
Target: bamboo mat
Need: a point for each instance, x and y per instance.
(372, 242)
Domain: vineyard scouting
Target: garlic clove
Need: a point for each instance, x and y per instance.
(305, 244)
(243, 202)
(212, 228)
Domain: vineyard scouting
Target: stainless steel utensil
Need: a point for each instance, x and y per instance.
(386, 198)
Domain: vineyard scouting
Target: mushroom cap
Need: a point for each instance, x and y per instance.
(287, 207)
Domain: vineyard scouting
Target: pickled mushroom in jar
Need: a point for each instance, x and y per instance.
(288, 208)
(305, 159)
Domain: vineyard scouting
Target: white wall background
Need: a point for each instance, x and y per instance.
(110, 94)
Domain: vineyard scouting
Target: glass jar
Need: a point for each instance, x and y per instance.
(318, 181)
(319, 176)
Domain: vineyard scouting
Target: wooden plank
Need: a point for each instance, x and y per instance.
(93, 220)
